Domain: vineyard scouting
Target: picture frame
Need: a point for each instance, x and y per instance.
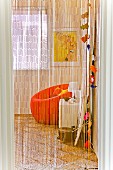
(65, 51)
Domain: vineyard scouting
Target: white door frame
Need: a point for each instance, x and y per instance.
(6, 89)
(105, 122)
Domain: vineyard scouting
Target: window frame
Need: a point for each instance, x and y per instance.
(41, 12)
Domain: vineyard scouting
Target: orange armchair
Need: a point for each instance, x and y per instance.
(45, 106)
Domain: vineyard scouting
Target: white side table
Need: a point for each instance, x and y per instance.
(68, 114)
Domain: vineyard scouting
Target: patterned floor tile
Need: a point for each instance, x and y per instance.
(37, 148)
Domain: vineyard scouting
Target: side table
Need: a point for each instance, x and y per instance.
(68, 114)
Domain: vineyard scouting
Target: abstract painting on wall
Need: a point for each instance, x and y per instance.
(65, 48)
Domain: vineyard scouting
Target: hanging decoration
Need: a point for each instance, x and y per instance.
(84, 26)
(92, 76)
(89, 132)
(89, 5)
(85, 38)
(85, 15)
(92, 79)
(93, 70)
(86, 116)
(88, 46)
(93, 86)
(87, 144)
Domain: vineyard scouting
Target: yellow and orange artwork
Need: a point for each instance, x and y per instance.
(65, 46)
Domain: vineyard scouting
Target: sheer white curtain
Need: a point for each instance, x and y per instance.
(30, 52)
(6, 92)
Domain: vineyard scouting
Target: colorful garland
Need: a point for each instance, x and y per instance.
(93, 70)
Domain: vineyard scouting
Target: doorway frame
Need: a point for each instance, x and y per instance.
(105, 116)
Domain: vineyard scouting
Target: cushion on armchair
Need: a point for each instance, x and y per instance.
(57, 91)
(63, 92)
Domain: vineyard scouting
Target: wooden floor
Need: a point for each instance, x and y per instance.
(37, 148)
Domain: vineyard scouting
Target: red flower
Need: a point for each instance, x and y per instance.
(92, 79)
(87, 144)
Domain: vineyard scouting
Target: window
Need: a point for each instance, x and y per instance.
(29, 40)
